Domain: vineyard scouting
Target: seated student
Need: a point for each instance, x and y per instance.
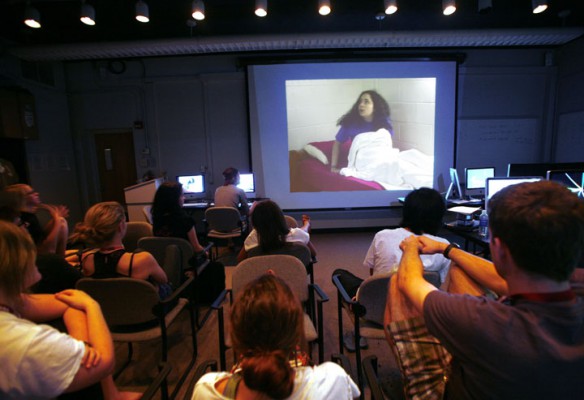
(170, 220)
(423, 211)
(229, 195)
(527, 345)
(56, 273)
(271, 232)
(267, 336)
(104, 227)
(39, 361)
(53, 237)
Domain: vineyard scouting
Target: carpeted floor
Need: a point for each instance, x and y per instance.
(335, 250)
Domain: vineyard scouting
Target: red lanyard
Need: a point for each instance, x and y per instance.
(567, 295)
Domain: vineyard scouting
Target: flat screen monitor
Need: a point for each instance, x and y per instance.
(193, 185)
(540, 169)
(476, 179)
(573, 179)
(495, 184)
(247, 183)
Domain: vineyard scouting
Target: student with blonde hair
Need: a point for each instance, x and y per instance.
(39, 361)
(103, 228)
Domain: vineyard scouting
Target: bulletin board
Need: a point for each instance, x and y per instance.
(497, 142)
(570, 138)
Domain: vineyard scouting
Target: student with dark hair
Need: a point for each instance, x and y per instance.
(530, 343)
(423, 211)
(369, 113)
(229, 195)
(271, 232)
(170, 220)
(268, 336)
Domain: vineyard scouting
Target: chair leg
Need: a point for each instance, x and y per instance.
(222, 346)
(128, 361)
(340, 320)
(358, 354)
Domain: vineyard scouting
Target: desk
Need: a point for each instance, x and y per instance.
(470, 236)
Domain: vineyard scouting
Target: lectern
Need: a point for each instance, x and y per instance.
(140, 195)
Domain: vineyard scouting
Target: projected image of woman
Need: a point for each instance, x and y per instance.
(369, 113)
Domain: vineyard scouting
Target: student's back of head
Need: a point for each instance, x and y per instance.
(542, 224)
(267, 321)
(423, 211)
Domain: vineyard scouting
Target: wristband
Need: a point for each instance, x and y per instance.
(448, 248)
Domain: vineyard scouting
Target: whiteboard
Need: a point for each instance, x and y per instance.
(570, 138)
(497, 142)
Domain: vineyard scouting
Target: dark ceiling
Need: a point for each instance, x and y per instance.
(168, 19)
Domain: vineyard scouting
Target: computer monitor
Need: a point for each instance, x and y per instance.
(247, 183)
(573, 179)
(540, 169)
(476, 180)
(193, 185)
(454, 192)
(495, 184)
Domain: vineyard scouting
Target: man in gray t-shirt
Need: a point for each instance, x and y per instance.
(529, 344)
(229, 195)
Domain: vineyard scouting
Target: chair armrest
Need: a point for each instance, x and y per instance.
(342, 291)
(202, 369)
(176, 293)
(355, 306)
(159, 382)
(219, 300)
(370, 371)
(323, 296)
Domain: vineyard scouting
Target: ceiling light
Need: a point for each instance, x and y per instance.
(539, 6)
(390, 6)
(198, 10)
(142, 12)
(87, 14)
(261, 8)
(448, 7)
(324, 7)
(32, 17)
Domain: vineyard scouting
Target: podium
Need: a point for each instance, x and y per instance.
(140, 195)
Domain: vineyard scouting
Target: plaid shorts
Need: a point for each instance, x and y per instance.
(423, 361)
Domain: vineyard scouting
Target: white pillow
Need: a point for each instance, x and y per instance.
(316, 153)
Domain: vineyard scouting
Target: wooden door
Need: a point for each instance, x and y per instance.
(116, 164)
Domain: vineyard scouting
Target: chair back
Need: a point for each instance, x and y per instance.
(135, 230)
(123, 301)
(167, 259)
(223, 219)
(296, 249)
(290, 221)
(372, 295)
(288, 268)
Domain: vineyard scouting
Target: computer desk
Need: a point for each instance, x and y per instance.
(480, 243)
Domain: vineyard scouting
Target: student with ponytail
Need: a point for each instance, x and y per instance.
(267, 334)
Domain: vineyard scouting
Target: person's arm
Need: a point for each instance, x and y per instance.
(244, 209)
(410, 274)
(478, 269)
(335, 156)
(146, 266)
(84, 321)
(41, 307)
(194, 240)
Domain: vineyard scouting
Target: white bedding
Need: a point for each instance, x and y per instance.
(373, 158)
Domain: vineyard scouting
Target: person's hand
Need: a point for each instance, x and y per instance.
(91, 357)
(431, 246)
(335, 170)
(410, 243)
(62, 211)
(75, 299)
